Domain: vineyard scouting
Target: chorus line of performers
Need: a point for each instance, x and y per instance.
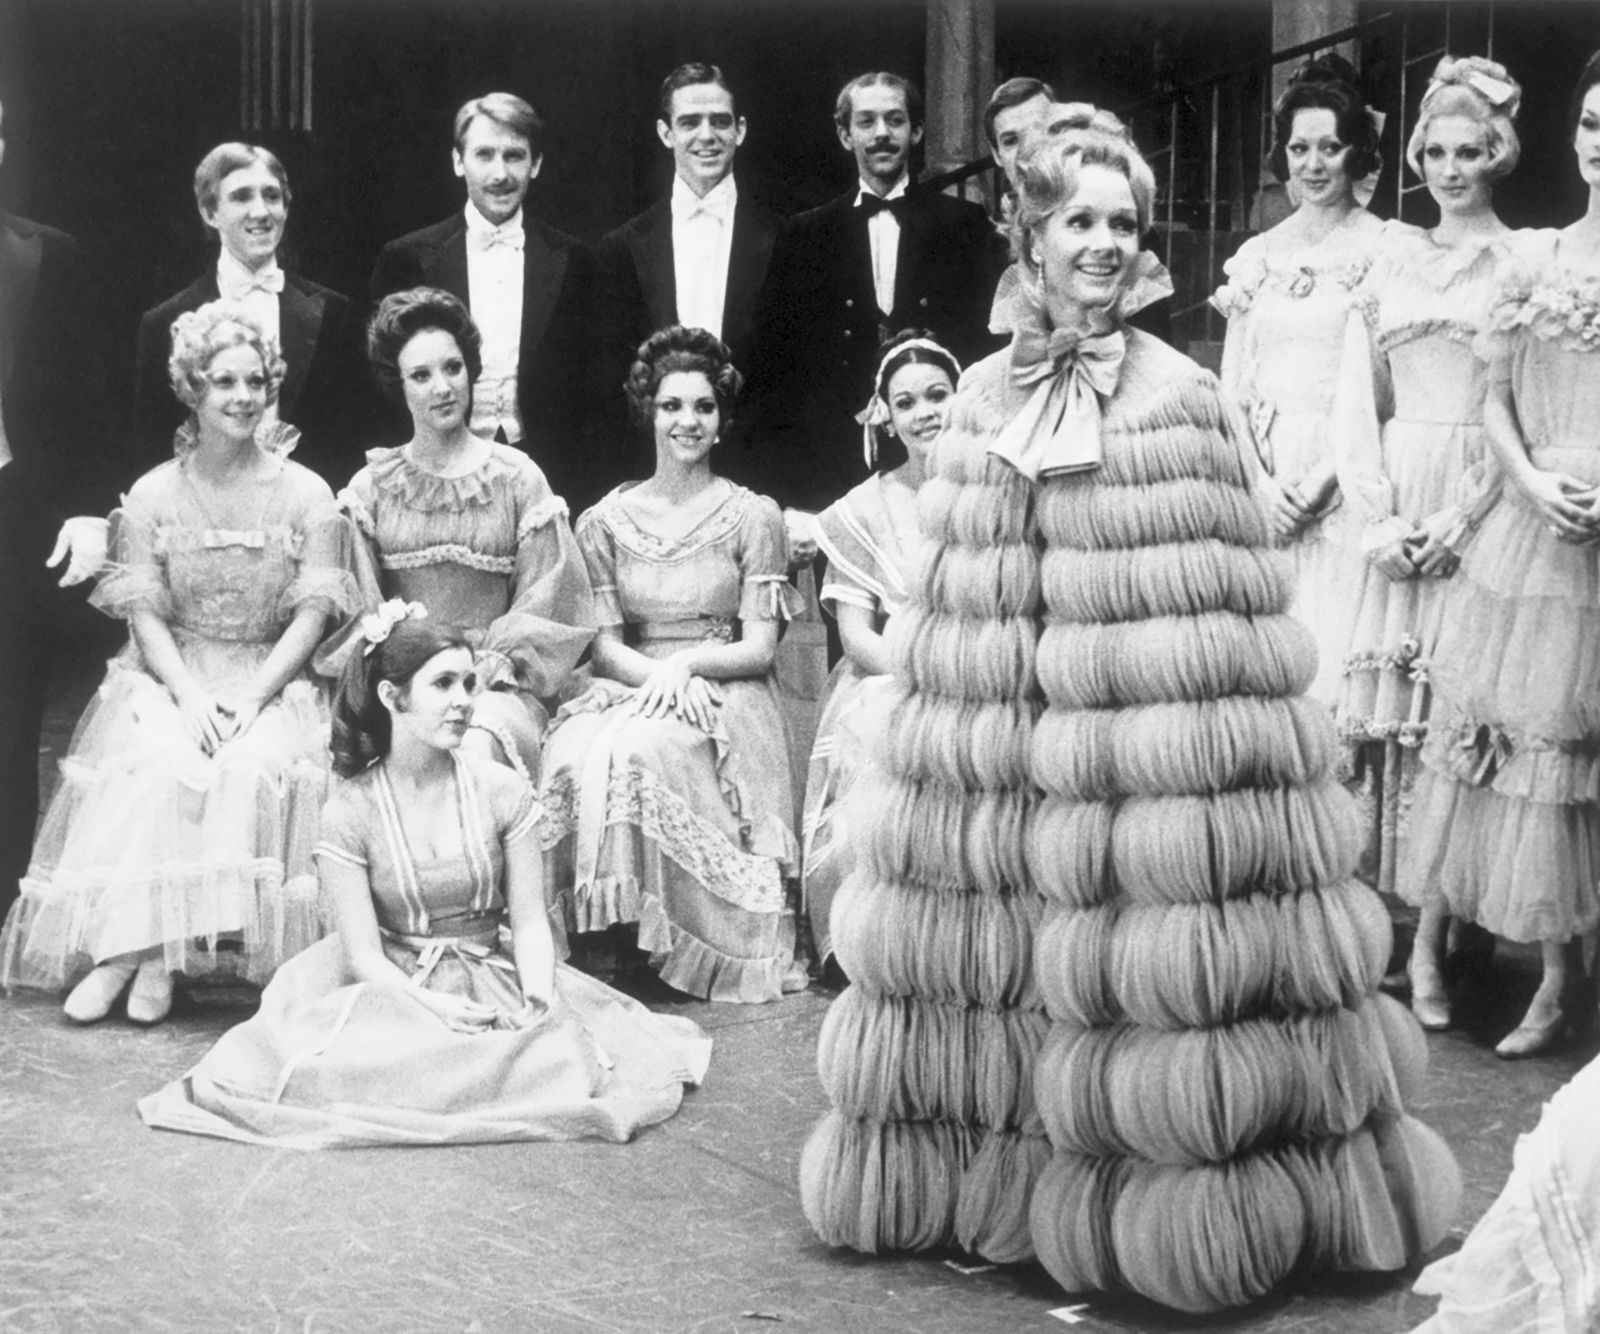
(1078, 825)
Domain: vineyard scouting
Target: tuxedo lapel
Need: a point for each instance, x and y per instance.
(748, 257)
(299, 324)
(908, 257)
(658, 269)
(20, 258)
(449, 268)
(855, 248)
(543, 269)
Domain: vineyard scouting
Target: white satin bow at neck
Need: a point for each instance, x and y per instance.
(1058, 428)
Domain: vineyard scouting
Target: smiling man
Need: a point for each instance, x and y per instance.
(527, 285)
(881, 257)
(243, 195)
(697, 258)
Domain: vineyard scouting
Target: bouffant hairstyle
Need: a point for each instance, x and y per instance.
(361, 724)
(401, 316)
(230, 157)
(506, 110)
(1587, 79)
(695, 73)
(1327, 83)
(844, 105)
(676, 348)
(197, 337)
(1047, 174)
(1481, 91)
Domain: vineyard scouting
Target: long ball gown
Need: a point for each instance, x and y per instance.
(489, 551)
(872, 543)
(149, 843)
(1408, 432)
(1286, 310)
(652, 820)
(330, 1062)
(1506, 816)
(1114, 995)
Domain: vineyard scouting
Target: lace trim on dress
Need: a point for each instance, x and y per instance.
(448, 553)
(171, 537)
(710, 531)
(1547, 300)
(394, 474)
(552, 511)
(1451, 330)
(1251, 271)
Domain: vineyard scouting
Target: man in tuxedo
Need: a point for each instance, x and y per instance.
(698, 257)
(243, 195)
(51, 466)
(529, 288)
(881, 257)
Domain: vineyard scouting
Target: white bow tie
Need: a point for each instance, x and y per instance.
(510, 237)
(235, 287)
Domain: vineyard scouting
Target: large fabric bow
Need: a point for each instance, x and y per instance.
(236, 287)
(1058, 428)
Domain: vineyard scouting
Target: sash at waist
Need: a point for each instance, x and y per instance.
(692, 629)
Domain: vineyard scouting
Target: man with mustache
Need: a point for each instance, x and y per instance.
(881, 257)
(697, 258)
(529, 289)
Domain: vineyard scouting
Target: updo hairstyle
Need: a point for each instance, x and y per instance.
(1327, 83)
(197, 337)
(401, 316)
(674, 349)
(361, 723)
(1454, 92)
(1587, 79)
(889, 451)
(1047, 174)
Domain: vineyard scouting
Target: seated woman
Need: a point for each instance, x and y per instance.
(452, 520)
(666, 784)
(872, 543)
(180, 838)
(415, 1024)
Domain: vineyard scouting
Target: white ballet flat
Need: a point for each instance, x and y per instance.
(93, 997)
(150, 1000)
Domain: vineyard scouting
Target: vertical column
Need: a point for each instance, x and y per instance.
(958, 80)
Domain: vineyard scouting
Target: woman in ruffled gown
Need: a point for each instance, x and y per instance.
(437, 1013)
(1413, 465)
(1505, 823)
(667, 784)
(1287, 300)
(872, 542)
(1113, 990)
(469, 528)
(180, 838)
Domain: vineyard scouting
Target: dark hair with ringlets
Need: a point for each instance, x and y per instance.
(361, 724)
(1327, 83)
(677, 348)
(401, 316)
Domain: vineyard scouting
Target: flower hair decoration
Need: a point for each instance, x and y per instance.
(876, 413)
(376, 625)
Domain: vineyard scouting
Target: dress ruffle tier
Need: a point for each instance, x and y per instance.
(1122, 809)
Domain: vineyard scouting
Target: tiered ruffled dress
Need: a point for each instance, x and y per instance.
(1506, 817)
(329, 1061)
(1529, 1266)
(489, 551)
(149, 843)
(1408, 432)
(652, 820)
(1286, 311)
(1108, 812)
(872, 542)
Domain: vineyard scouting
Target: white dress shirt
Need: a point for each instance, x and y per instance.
(5, 445)
(257, 291)
(494, 293)
(883, 233)
(702, 241)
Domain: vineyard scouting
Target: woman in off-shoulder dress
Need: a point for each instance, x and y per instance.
(180, 838)
(667, 782)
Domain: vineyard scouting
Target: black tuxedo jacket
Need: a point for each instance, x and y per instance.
(51, 384)
(554, 366)
(325, 392)
(820, 326)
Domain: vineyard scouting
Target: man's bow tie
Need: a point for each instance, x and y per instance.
(872, 205)
(236, 288)
(509, 237)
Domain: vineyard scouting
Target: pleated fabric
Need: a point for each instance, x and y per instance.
(1115, 986)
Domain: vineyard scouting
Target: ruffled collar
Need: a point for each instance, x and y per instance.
(393, 474)
(1017, 300)
(272, 437)
(1417, 254)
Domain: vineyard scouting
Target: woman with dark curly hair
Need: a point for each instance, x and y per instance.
(459, 523)
(437, 1013)
(1286, 299)
(180, 838)
(667, 784)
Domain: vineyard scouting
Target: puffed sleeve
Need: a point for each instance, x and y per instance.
(1362, 400)
(343, 833)
(552, 618)
(134, 577)
(764, 564)
(854, 569)
(326, 539)
(1245, 271)
(358, 541)
(597, 545)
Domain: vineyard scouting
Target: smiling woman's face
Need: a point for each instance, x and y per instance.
(1086, 249)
